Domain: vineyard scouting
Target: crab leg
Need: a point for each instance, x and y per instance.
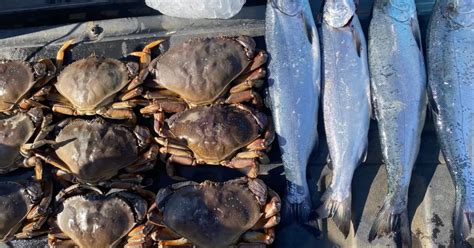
(145, 54)
(245, 96)
(144, 161)
(53, 161)
(258, 60)
(33, 101)
(160, 94)
(118, 114)
(158, 122)
(61, 52)
(44, 72)
(38, 214)
(136, 92)
(139, 236)
(274, 205)
(129, 104)
(262, 156)
(247, 166)
(166, 106)
(64, 109)
(258, 237)
(175, 242)
(56, 240)
(249, 80)
(145, 59)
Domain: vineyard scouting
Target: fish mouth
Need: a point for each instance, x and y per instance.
(288, 7)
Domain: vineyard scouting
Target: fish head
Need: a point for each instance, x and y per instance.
(400, 10)
(338, 13)
(288, 7)
(460, 12)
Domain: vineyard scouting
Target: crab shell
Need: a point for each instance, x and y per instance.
(91, 83)
(215, 132)
(17, 200)
(201, 70)
(95, 219)
(213, 214)
(16, 79)
(15, 131)
(96, 150)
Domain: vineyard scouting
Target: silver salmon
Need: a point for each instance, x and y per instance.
(346, 105)
(450, 46)
(398, 80)
(294, 84)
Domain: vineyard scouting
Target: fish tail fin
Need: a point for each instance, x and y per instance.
(296, 212)
(339, 211)
(463, 230)
(389, 221)
(296, 205)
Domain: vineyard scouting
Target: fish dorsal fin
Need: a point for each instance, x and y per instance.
(415, 28)
(288, 7)
(338, 13)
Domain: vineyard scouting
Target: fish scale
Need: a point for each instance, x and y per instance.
(451, 83)
(398, 81)
(346, 105)
(294, 84)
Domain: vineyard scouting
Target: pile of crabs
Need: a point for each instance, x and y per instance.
(84, 134)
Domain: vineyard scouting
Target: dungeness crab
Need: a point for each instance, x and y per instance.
(93, 151)
(215, 215)
(90, 86)
(204, 71)
(87, 217)
(230, 135)
(21, 115)
(24, 206)
(18, 79)
(15, 132)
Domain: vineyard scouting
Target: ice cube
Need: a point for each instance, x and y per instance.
(197, 9)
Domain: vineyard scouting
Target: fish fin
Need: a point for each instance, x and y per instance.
(463, 230)
(296, 212)
(388, 221)
(415, 28)
(310, 26)
(357, 40)
(327, 171)
(339, 211)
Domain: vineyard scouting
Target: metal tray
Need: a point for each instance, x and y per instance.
(431, 197)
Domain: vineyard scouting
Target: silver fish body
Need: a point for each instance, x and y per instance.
(398, 81)
(450, 46)
(294, 85)
(346, 105)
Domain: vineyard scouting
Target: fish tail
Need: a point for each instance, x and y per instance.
(390, 220)
(339, 211)
(296, 212)
(463, 230)
(296, 206)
